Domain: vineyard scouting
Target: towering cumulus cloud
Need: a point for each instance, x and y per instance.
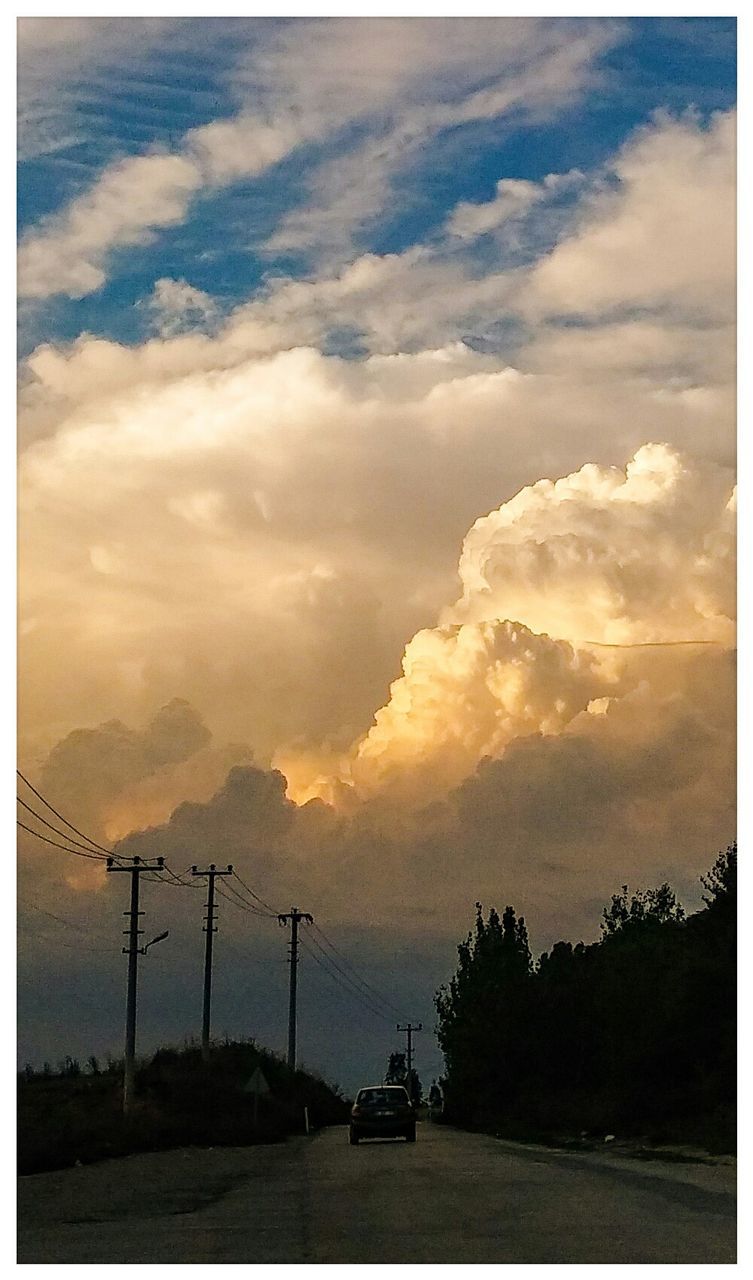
(466, 691)
(618, 557)
(569, 593)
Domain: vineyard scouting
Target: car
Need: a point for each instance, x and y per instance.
(382, 1111)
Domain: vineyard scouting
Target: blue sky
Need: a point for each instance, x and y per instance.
(140, 90)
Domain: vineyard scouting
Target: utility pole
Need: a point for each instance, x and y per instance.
(409, 1028)
(133, 951)
(210, 931)
(294, 916)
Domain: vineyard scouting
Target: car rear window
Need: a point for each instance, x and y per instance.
(382, 1097)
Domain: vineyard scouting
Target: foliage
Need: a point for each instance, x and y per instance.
(656, 905)
(721, 882)
(397, 1073)
(181, 1101)
(634, 1034)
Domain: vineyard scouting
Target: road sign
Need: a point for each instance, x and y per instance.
(257, 1084)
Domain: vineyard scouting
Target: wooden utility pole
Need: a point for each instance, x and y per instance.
(294, 916)
(133, 951)
(210, 931)
(409, 1028)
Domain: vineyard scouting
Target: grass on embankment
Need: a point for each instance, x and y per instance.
(180, 1101)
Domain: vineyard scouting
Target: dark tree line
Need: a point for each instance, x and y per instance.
(631, 1035)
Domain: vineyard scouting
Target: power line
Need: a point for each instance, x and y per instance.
(329, 957)
(344, 978)
(323, 961)
(240, 903)
(62, 818)
(382, 999)
(652, 644)
(177, 879)
(334, 970)
(51, 826)
(268, 915)
(230, 940)
(255, 895)
(94, 856)
(333, 978)
(71, 946)
(68, 923)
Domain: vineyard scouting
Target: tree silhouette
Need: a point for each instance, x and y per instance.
(397, 1071)
(633, 1034)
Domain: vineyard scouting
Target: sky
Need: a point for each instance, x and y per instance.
(376, 497)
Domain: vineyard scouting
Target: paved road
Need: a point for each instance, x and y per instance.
(453, 1197)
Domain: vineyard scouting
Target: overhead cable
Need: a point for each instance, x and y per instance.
(94, 856)
(363, 982)
(94, 844)
(51, 826)
(339, 975)
(254, 894)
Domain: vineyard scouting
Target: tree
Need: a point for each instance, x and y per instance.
(480, 1029)
(634, 1033)
(659, 906)
(397, 1070)
(721, 882)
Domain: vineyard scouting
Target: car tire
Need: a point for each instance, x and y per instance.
(353, 1138)
(410, 1135)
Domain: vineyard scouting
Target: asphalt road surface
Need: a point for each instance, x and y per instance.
(453, 1197)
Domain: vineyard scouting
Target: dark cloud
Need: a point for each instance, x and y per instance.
(91, 767)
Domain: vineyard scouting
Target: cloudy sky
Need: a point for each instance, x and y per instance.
(376, 494)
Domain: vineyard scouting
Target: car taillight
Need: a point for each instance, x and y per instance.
(356, 1111)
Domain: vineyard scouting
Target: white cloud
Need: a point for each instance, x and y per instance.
(128, 204)
(177, 305)
(307, 81)
(664, 236)
(214, 473)
(56, 56)
(435, 294)
(542, 68)
(465, 693)
(514, 200)
(242, 147)
(618, 557)
(642, 556)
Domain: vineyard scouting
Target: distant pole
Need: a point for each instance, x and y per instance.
(294, 916)
(210, 931)
(409, 1028)
(132, 951)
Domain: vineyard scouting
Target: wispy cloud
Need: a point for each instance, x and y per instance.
(305, 82)
(540, 73)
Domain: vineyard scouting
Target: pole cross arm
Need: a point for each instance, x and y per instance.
(137, 865)
(295, 915)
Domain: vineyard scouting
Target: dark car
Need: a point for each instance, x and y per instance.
(382, 1111)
